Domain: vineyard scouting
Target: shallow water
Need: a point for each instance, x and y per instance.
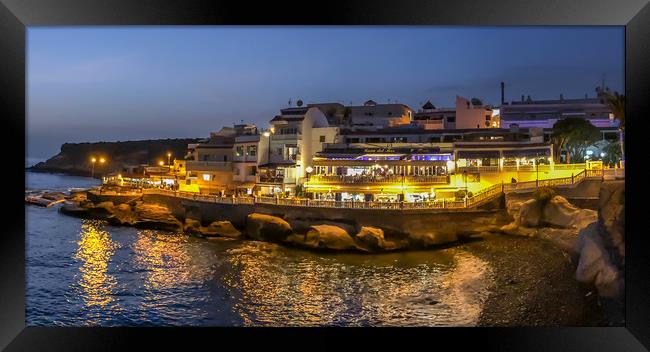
(85, 272)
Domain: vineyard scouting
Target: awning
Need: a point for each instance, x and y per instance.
(478, 154)
(528, 153)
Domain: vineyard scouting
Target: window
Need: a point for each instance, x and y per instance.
(451, 118)
(225, 158)
(252, 150)
(205, 157)
(206, 177)
(289, 130)
(239, 151)
(253, 170)
(352, 140)
(235, 171)
(322, 139)
(390, 113)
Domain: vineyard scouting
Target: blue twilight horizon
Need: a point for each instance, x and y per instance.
(129, 83)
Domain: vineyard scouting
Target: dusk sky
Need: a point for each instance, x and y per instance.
(129, 83)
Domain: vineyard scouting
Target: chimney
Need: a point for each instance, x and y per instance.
(522, 98)
(561, 97)
(503, 86)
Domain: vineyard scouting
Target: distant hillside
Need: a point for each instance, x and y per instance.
(74, 158)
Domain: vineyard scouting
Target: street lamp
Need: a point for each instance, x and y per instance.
(93, 160)
(161, 163)
(169, 160)
(308, 170)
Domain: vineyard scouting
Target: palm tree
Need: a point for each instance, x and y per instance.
(616, 103)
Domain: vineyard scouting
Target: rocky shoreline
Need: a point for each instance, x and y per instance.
(554, 265)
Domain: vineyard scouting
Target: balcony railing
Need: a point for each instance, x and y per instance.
(271, 179)
(481, 197)
(358, 179)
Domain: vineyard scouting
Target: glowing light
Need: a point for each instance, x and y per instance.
(602, 155)
(266, 134)
(309, 169)
(93, 160)
(102, 160)
(161, 163)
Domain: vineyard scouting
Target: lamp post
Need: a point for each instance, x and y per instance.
(169, 161)
(93, 160)
(536, 171)
(101, 162)
(161, 163)
(402, 187)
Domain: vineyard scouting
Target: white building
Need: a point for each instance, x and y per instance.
(295, 136)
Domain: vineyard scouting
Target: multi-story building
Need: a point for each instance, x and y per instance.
(248, 153)
(544, 113)
(465, 115)
(295, 136)
(413, 163)
(374, 115)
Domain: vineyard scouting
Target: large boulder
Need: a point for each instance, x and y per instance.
(192, 226)
(558, 212)
(530, 214)
(156, 216)
(594, 264)
(264, 227)
(328, 236)
(611, 212)
(223, 229)
(371, 239)
(303, 225)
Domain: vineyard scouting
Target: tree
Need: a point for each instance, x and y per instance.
(612, 153)
(574, 134)
(616, 103)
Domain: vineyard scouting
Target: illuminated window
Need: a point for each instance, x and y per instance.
(252, 150)
(206, 177)
(322, 139)
(239, 150)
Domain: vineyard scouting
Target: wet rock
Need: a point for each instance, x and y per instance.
(264, 227)
(330, 237)
(156, 217)
(594, 264)
(426, 238)
(529, 214)
(303, 225)
(223, 229)
(371, 239)
(192, 226)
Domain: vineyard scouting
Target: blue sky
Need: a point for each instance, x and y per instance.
(128, 83)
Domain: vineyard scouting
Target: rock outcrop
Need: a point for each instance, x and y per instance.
(329, 237)
(600, 248)
(264, 227)
(557, 212)
(371, 239)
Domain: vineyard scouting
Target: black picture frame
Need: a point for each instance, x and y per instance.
(15, 15)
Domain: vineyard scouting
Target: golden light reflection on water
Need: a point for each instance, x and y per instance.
(389, 289)
(95, 250)
(169, 263)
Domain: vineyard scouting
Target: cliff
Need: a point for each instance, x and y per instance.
(74, 158)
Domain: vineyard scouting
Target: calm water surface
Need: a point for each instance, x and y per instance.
(85, 272)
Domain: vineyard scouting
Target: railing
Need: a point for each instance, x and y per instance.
(481, 197)
(199, 165)
(325, 179)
